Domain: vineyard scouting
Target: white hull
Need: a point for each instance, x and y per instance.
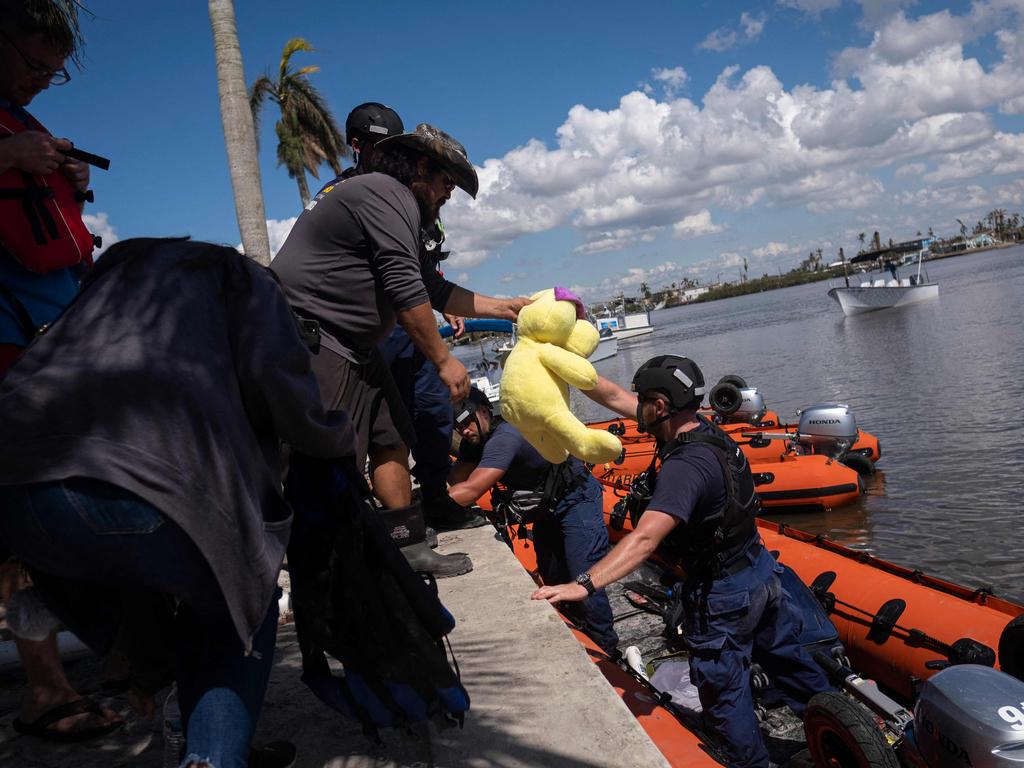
(605, 348)
(855, 301)
(629, 333)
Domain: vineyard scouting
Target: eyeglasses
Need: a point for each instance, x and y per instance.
(449, 182)
(38, 71)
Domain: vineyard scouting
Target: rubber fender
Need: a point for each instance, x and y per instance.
(862, 464)
(736, 380)
(725, 398)
(1011, 648)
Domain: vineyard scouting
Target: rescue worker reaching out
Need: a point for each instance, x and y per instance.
(701, 512)
(562, 501)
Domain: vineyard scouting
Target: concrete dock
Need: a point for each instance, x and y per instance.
(537, 699)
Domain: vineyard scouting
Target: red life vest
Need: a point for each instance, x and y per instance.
(40, 223)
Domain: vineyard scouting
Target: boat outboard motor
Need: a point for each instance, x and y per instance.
(736, 405)
(969, 715)
(828, 429)
(966, 715)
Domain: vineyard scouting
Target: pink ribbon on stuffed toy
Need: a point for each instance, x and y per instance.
(564, 294)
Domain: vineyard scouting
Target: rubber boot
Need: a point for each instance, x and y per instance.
(443, 514)
(408, 531)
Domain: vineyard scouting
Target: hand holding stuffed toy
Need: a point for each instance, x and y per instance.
(554, 341)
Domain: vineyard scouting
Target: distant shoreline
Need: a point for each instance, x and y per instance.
(790, 279)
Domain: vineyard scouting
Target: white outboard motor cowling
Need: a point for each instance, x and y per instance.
(827, 428)
(969, 715)
(752, 408)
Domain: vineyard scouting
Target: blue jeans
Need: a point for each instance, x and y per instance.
(570, 541)
(429, 404)
(103, 559)
(731, 622)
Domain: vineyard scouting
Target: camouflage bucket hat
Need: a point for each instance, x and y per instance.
(439, 146)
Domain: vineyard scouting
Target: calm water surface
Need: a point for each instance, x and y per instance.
(940, 383)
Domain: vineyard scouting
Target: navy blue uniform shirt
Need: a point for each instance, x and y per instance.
(690, 482)
(506, 449)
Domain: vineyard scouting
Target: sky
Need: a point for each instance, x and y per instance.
(616, 144)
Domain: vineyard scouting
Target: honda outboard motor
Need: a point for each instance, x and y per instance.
(736, 405)
(752, 408)
(969, 715)
(828, 429)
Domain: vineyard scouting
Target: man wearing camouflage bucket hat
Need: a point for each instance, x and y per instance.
(352, 264)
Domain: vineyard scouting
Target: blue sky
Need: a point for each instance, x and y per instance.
(616, 143)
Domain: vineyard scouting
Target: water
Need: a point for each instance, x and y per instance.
(941, 384)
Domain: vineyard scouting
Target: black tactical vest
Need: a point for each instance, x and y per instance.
(703, 546)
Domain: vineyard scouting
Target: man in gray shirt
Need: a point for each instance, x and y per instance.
(353, 264)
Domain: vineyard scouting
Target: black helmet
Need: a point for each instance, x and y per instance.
(466, 408)
(678, 378)
(372, 121)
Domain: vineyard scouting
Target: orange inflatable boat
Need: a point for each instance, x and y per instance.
(898, 626)
(788, 481)
(751, 439)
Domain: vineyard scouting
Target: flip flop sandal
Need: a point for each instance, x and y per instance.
(41, 726)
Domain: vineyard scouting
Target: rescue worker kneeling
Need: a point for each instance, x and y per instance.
(701, 513)
(563, 501)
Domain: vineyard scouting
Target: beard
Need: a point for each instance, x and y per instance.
(429, 209)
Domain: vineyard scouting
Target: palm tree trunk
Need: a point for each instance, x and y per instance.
(239, 134)
(300, 179)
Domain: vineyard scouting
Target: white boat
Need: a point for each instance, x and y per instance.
(607, 347)
(625, 325)
(882, 292)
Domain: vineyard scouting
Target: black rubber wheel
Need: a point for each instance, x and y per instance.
(737, 381)
(843, 734)
(725, 398)
(862, 464)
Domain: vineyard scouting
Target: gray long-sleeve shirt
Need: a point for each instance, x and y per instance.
(174, 375)
(353, 259)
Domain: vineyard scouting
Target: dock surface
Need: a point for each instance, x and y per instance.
(537, 699)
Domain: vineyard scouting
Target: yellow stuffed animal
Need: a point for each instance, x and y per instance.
(553, 344)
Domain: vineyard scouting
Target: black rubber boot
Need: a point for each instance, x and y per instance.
(408, 531)
(443, 514)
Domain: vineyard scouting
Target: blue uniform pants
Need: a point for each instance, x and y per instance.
(730, 623)
(429, 404)
(570, 541)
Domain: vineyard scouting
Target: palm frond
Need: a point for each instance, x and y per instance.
(292, 47)
(258, 93)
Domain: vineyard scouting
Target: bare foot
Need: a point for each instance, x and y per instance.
(38, 700)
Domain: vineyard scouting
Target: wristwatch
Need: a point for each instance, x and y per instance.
(586, 582)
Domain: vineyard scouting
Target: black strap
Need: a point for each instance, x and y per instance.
(28, 326)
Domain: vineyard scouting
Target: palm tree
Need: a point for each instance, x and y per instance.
(239, 134)
(307, 134)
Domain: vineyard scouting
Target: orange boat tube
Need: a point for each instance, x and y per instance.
(867, 445)
(789, 481)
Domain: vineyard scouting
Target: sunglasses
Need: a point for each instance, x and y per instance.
(38, 71)
(449, 182)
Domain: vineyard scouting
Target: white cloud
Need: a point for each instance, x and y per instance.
(99, 225)
(723, 38)
(812, 7)
(672, 80)
(771, 249)
(466, 259)
(277, 230)
(696, 225)
(509, 277)
(910, 169)
(909, 99)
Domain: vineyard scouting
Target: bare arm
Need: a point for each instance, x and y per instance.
(468, 304)
(418, 322)
(480, 480)
(628, 554)
(613, 397)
